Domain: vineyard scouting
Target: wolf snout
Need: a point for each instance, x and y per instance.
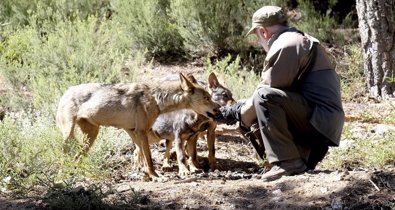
(214, 113)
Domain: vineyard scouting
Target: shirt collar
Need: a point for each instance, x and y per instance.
(278, 33)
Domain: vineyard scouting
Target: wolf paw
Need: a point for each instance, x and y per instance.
(183, 171)
(194, 169)
(194, 166)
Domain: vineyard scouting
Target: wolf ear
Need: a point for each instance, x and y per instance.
(186, 85)
(191, 78)
(212, 81)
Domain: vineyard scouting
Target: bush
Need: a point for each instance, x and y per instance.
(148, 25)
(18, 12)
(315, 24)
(350, 70)
(210, 28)
(239, 80)
(31, 152)
(47, 56)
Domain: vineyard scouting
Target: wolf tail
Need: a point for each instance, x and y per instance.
(66, 119)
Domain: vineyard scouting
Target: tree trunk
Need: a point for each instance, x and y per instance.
(377, 29)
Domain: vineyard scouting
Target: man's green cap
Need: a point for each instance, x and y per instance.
(267, 16)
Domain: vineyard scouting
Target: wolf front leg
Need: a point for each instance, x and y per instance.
(211, 145)
(141, 140)
(144, 145)
(179, 145)
(166, 158)
(192, 153)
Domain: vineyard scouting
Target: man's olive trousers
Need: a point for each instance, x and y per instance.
(284, 122)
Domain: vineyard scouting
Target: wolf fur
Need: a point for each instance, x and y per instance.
(133, 107)
(188, 126)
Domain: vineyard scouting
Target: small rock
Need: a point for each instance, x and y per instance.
(59, 184)
(254, 176)
(337, 204)
(381, 129)
(346, 143)
(324, 190)
(277, 192)
(123, 188)
(77, 189)
(7, 179)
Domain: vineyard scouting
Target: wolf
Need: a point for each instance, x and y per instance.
(133, 107)
(188, 126)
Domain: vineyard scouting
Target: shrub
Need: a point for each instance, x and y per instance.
(315, 24)
(210, 28)
(239, 80)
(148, 26)
(47, 56)
(18, 12)
(350, 69)
(31, 152)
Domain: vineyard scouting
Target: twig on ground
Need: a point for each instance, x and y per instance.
(375, 186)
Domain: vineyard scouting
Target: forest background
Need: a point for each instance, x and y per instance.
(48, 45)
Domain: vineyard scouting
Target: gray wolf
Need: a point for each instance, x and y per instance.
(133, 107)
(188, 126)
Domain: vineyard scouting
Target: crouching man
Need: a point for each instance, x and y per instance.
(297, 105)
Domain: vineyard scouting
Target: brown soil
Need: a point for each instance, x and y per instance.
(235, 185)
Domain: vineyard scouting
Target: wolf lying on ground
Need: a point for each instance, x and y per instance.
(186, 125)
(133, 107)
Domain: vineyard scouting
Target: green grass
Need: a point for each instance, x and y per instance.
(390, 119)
(350, 69)
(31, 153)
(361, 151)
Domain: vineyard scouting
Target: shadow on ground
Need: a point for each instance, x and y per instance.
(358, 194)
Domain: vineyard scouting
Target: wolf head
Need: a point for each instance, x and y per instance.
(199, 99)
(220, 94)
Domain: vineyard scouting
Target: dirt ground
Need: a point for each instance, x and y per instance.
(235, 185)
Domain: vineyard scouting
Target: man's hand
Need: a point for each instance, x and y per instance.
(229, 114)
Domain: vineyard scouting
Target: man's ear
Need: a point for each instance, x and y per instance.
(266, 32)
(262, 31)
(186, 85)
(212, 81)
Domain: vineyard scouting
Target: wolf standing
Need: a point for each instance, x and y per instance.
(133, 107)
(297, 105)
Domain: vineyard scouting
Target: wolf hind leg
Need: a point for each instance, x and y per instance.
(90, 131)
(138, 158)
